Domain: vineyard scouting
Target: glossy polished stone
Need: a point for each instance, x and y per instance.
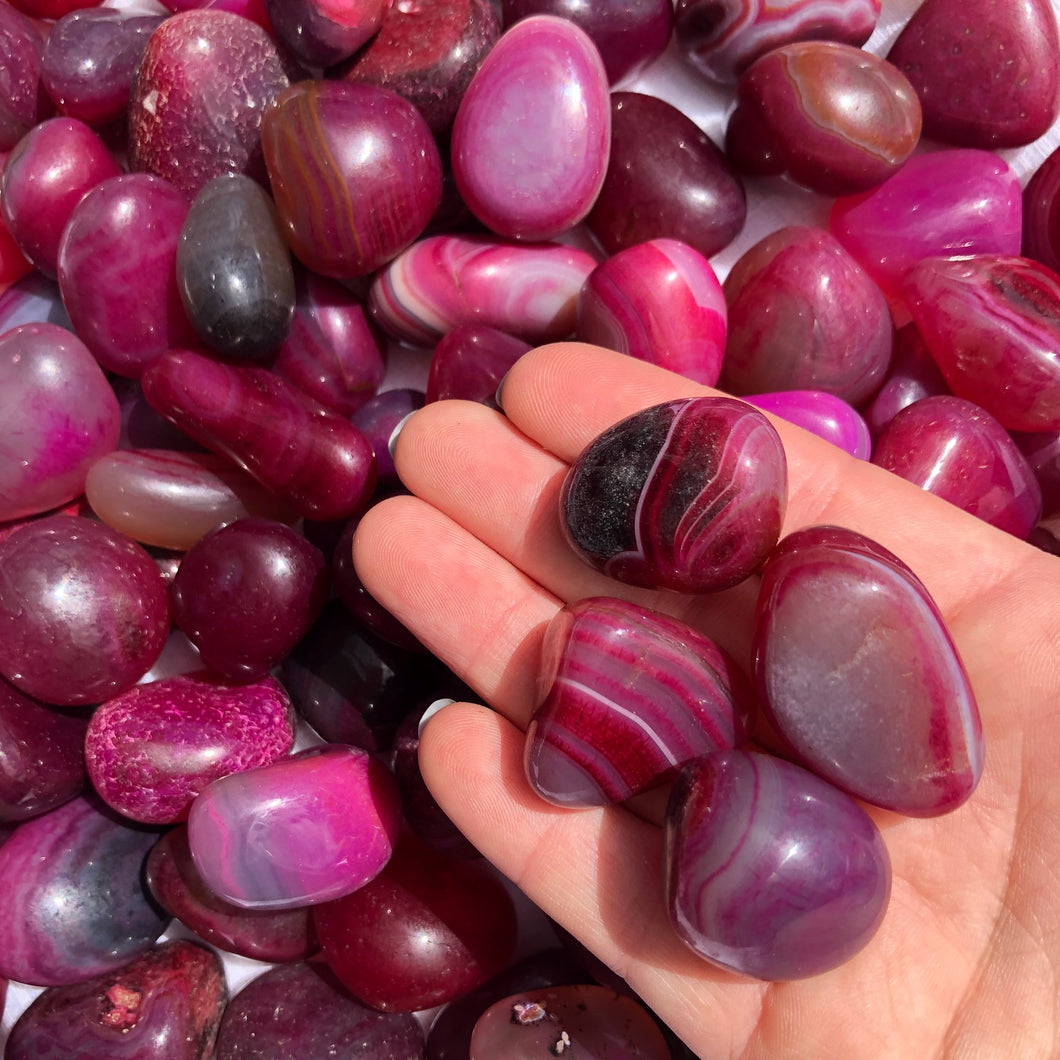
(660, 302)
(859, 675)
(44, 177)
(441, 282)
(83, 610)
(666, 179)
(769, 871)
(469, 363)
(320, 32)
(59, 414)
(32, 299)
(827, 416)
(723, 39)
(999, 85)
(804, 315)
(165, 1005)
(992, 324)
(376, 420)
(171, 499)
(42, 762)
(234, 269)
(688, 495)
(22, 42)
(627, 696)
(1041, 213)
(306, 829)
(316, 461)
(120, 289)
(355, 173)
(913, 375)
(428, 53)
(152, 749)
(426, 930)
(87, 862)
(280, 935)
(952, 202)
(532, 135)
(831, 117)
(196, 104)
(267, 1020)
(954, 449)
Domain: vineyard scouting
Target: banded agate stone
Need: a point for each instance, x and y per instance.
(688, 495)
(860, 677)
(628, 696)
(769, 871)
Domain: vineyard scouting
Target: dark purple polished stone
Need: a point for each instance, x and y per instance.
(859, 675)
(999, 83)
(234, 269)
(42, 764)
(1043, 454)
(301, 1010)
(770, 871)
(247, 593)
(331, 350)
(832, 117)
(827, 416)
(660, 302)
(628, 696)
(75, 900)
(165, 1005)
(956, 450)
(355, 173)
(83, 610)
(23, 101)
(1041, 213)
(119, 288)
(315, 460)
(427, 929)
(469, 363)
(665, 179)
(353, 686)
(89, 61)
(992, 323)
(280, 935)
(804, 315)
(376, 420)
(688, 495)
(152, 749)
(428, 53)
(45, 176)
(321, 32)
(197, 101)
(913, 375)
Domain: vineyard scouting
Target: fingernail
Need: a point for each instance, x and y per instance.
(391, 442)
(437, 706)
(497, 395)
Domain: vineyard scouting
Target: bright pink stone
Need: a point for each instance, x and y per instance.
(827, 416)
(532, 134)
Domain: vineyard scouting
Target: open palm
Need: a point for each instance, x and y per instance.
(967, 961)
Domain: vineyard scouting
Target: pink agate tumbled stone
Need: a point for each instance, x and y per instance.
(827, 416)
(659, 301)
(309, 828)
(532, 134)
(469, 363)
(859, 675)
(59, 415)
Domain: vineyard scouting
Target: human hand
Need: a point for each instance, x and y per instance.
(967, 959)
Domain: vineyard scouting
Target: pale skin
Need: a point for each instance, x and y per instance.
(967, 960)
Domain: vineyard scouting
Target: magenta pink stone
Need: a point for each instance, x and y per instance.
(355, 173)
(83, 610)
(532, 134)
(317, 461)
(954, 202)
(956, 450)
(59, 415)
(992, 324)
(628, 696)
(999, 84)
(440, 282)
(723, 38)
(913, 375)
(688, 495)
(660, 302)
(827, 416)
(469, 363)
(151, 750)
(1041, 213)
(22, 103)
(320, 32)
(306, 829)
(859, 675)
(769, 871)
